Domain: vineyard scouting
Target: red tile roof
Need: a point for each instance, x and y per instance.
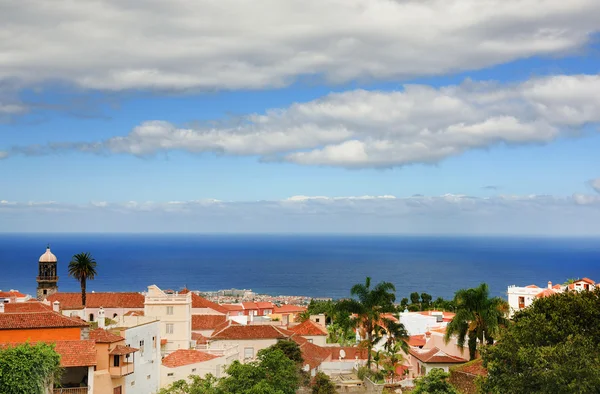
(417, 340)
(587, 280)
(28, 320)
(310, 328)
(183, 357)
(76, 353)
(233, 307)
(134, 313)
(435, 356)
(252, 332)
(532, 287)
(97, 300)
(312, 354)
(201, 302)
(223, 326)
(121, 350)
(102, 336)
(545, 293)
(264, 305)
(289, 309)
(199, 338)
(11, 294)
(474, 367)
(207, 322)
(249, 305)
(26, 307)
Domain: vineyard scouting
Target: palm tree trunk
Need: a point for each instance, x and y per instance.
(472, 345)
(370, 347)
(83, 291)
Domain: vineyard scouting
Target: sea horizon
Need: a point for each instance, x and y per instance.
(302, 264)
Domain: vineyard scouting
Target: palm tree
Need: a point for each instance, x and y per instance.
(392, 358)
(368, 309)
(478, 317)
(82, 267)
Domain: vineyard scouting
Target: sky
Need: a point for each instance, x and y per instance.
(329, 116)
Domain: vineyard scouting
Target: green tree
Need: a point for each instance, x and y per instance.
(290, 349)
(28, 369)
(553, 346)
(426, 300)
(478, 318)
(369, 307)
(435, 382)
(196, 385)
(392, 358)
(415, 299)
(323, 385)
(403, 304)
(82, 267)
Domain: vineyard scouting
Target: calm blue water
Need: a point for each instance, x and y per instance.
(302, 265)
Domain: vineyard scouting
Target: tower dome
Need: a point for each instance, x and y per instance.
(48, 257)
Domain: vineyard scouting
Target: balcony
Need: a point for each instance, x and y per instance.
(123, 370)
(47, 278)
(71, 390)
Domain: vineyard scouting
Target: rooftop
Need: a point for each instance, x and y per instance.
(289, 309)
(97, 300)
(26, 307)
(183, 357)
(42, 319)
(252, 332)
(435, 356)
(310, 328)
(207, 322)
(102, 336)
(201, 302)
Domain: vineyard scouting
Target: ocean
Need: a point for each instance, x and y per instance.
(310, 265)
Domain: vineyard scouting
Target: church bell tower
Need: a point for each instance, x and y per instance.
(47, 279)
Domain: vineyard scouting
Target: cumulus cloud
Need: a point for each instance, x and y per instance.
(450, 214)
(361, 129)
(595, 184)
(204, 44)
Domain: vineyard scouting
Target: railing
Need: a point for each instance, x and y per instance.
(71, 390)
(168, 298)
(47, 278)
(124, 369)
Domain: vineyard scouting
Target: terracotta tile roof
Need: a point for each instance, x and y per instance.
(532, 287)
(265, 305)
(545, 293)
(252, 332)
(587, 280)
(223, 326)
(289, 309)
(312, 354)
(474, 367)
(134, 313)
(308, 327)
(416, 340)
(233, 307)
(199, 338)
(183, 357)
(48, 319)
(435, 356)
(207, 322)
(201, 302)
(11, 294)
(249, 305)
(389, 316)
(557, 287)
(75, 353)
(121, 350)
(351, 352)
(97, 300)
(102, 336)
(26, 307)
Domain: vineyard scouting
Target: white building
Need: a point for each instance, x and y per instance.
(522, 297)
(182, 363)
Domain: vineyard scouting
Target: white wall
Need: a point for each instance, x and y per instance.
(214, 366)
(242, 344)
(158, 304)
(528, 293)
(320, 340)
(146, 378)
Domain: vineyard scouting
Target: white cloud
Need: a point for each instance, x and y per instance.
(595, 183)
(357, 129)
(206, 44)
(450, 214)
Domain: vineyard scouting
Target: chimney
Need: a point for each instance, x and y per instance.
(101, 321)
(549, 284)
(56, 306)
(427, 336)
(2, 307)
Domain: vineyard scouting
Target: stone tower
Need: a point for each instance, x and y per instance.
(47, 279)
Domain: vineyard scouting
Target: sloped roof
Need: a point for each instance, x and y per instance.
(134, 313)
(289, 309)
(416, 340)
(545, 293)
(310, 328)
(199, 338)
(207, 322)
(532, 287)
(97, 300)
(249, 305)
(435, 356)
(312, 354)
(121, 350)
(265, 305)
(29, 320)
(474, 367)
(252, 332)
(102, 336)
(11, 294)
(201, 302)
(183, 357)
(80, 353)
(26, 307)
(223, 326)
(586, 280)
(233, 307)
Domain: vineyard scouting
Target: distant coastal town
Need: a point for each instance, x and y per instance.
(161, 340)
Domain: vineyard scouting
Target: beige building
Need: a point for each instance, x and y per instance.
(313, 332)
(114, 361)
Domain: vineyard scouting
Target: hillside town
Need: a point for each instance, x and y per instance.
(138, 343)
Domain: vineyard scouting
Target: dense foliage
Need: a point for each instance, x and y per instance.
(28, 369)
(340, 325)
(323, 385)
(369, 306)
(552, 347)
(423, 302)
(435, 382)
(82, 267)
(478, 318)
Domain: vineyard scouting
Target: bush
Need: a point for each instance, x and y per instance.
(323, 385)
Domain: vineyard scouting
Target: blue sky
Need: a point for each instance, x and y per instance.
(485, 115)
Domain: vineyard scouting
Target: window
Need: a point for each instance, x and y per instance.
(115, 315)
(153, 342)
(133, 383)
(248, 353)
(169, 328)
(116, 361)
(148, 377)
(45, 291)
(91, 317)
(169, 310)
(193, 369)
(142, 348)
(170, 374)
(317, 320)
